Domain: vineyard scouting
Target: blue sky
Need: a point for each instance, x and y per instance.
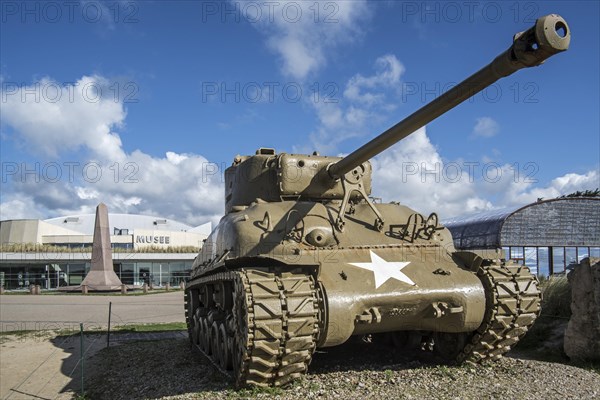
(153, 93)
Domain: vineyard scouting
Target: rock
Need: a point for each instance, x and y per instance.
(582, 338)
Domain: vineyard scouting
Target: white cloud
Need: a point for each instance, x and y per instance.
(304, 33)
(187, 187)
(184, 187)
(388, 73)
(486, 127)
(18, 207)
(298, 59)
(515, 190)
(414, 173)
(364, 104)
(50, 117)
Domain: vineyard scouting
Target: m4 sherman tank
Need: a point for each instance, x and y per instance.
(303, 259)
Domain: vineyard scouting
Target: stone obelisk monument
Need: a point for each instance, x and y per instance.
(101, 275)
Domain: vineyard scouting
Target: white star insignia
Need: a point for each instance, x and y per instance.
(384, 270)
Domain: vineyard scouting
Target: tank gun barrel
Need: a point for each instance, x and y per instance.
(550, 35)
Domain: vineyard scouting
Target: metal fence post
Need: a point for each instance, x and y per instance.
(81, 355)
(108, 333)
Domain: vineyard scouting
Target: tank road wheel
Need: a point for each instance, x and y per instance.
(195, 337)
(264, 327)
(214, 341)
(223, 349)
(204, 336)
(449, 345)
(406, 340)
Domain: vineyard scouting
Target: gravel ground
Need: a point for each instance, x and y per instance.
(167, 370)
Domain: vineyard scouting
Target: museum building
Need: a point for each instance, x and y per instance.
(57, 252)
(548, 236)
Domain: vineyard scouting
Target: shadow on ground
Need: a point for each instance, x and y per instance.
(71, 366)
(160, 368)
(112, 364)
(153, 369)
(150, 370)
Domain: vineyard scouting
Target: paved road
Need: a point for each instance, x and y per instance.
(27, 312)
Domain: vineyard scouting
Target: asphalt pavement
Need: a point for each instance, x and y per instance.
(54, 311)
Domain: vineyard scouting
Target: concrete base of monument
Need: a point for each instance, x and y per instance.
(99, 288)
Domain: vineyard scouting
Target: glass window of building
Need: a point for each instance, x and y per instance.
(558, 259)
(160, 272)
(506, 251)
(516, 254)
(531, 259)
(75, 273)
(128, 275)
(178, 272)
(570, 255)
(582, 252)
(145, 272)
(543, 261)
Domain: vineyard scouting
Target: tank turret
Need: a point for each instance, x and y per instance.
(304, 259)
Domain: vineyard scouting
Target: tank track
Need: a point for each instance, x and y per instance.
(512, 305)
(264, 334)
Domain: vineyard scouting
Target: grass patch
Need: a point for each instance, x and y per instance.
(162, 327)
(15, 333)
(388, 374)
(446, 371)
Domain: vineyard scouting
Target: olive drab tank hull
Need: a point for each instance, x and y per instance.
(303, 259)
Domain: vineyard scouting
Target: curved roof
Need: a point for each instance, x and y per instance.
(84, 223)
(572, 221)
(480, 231)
